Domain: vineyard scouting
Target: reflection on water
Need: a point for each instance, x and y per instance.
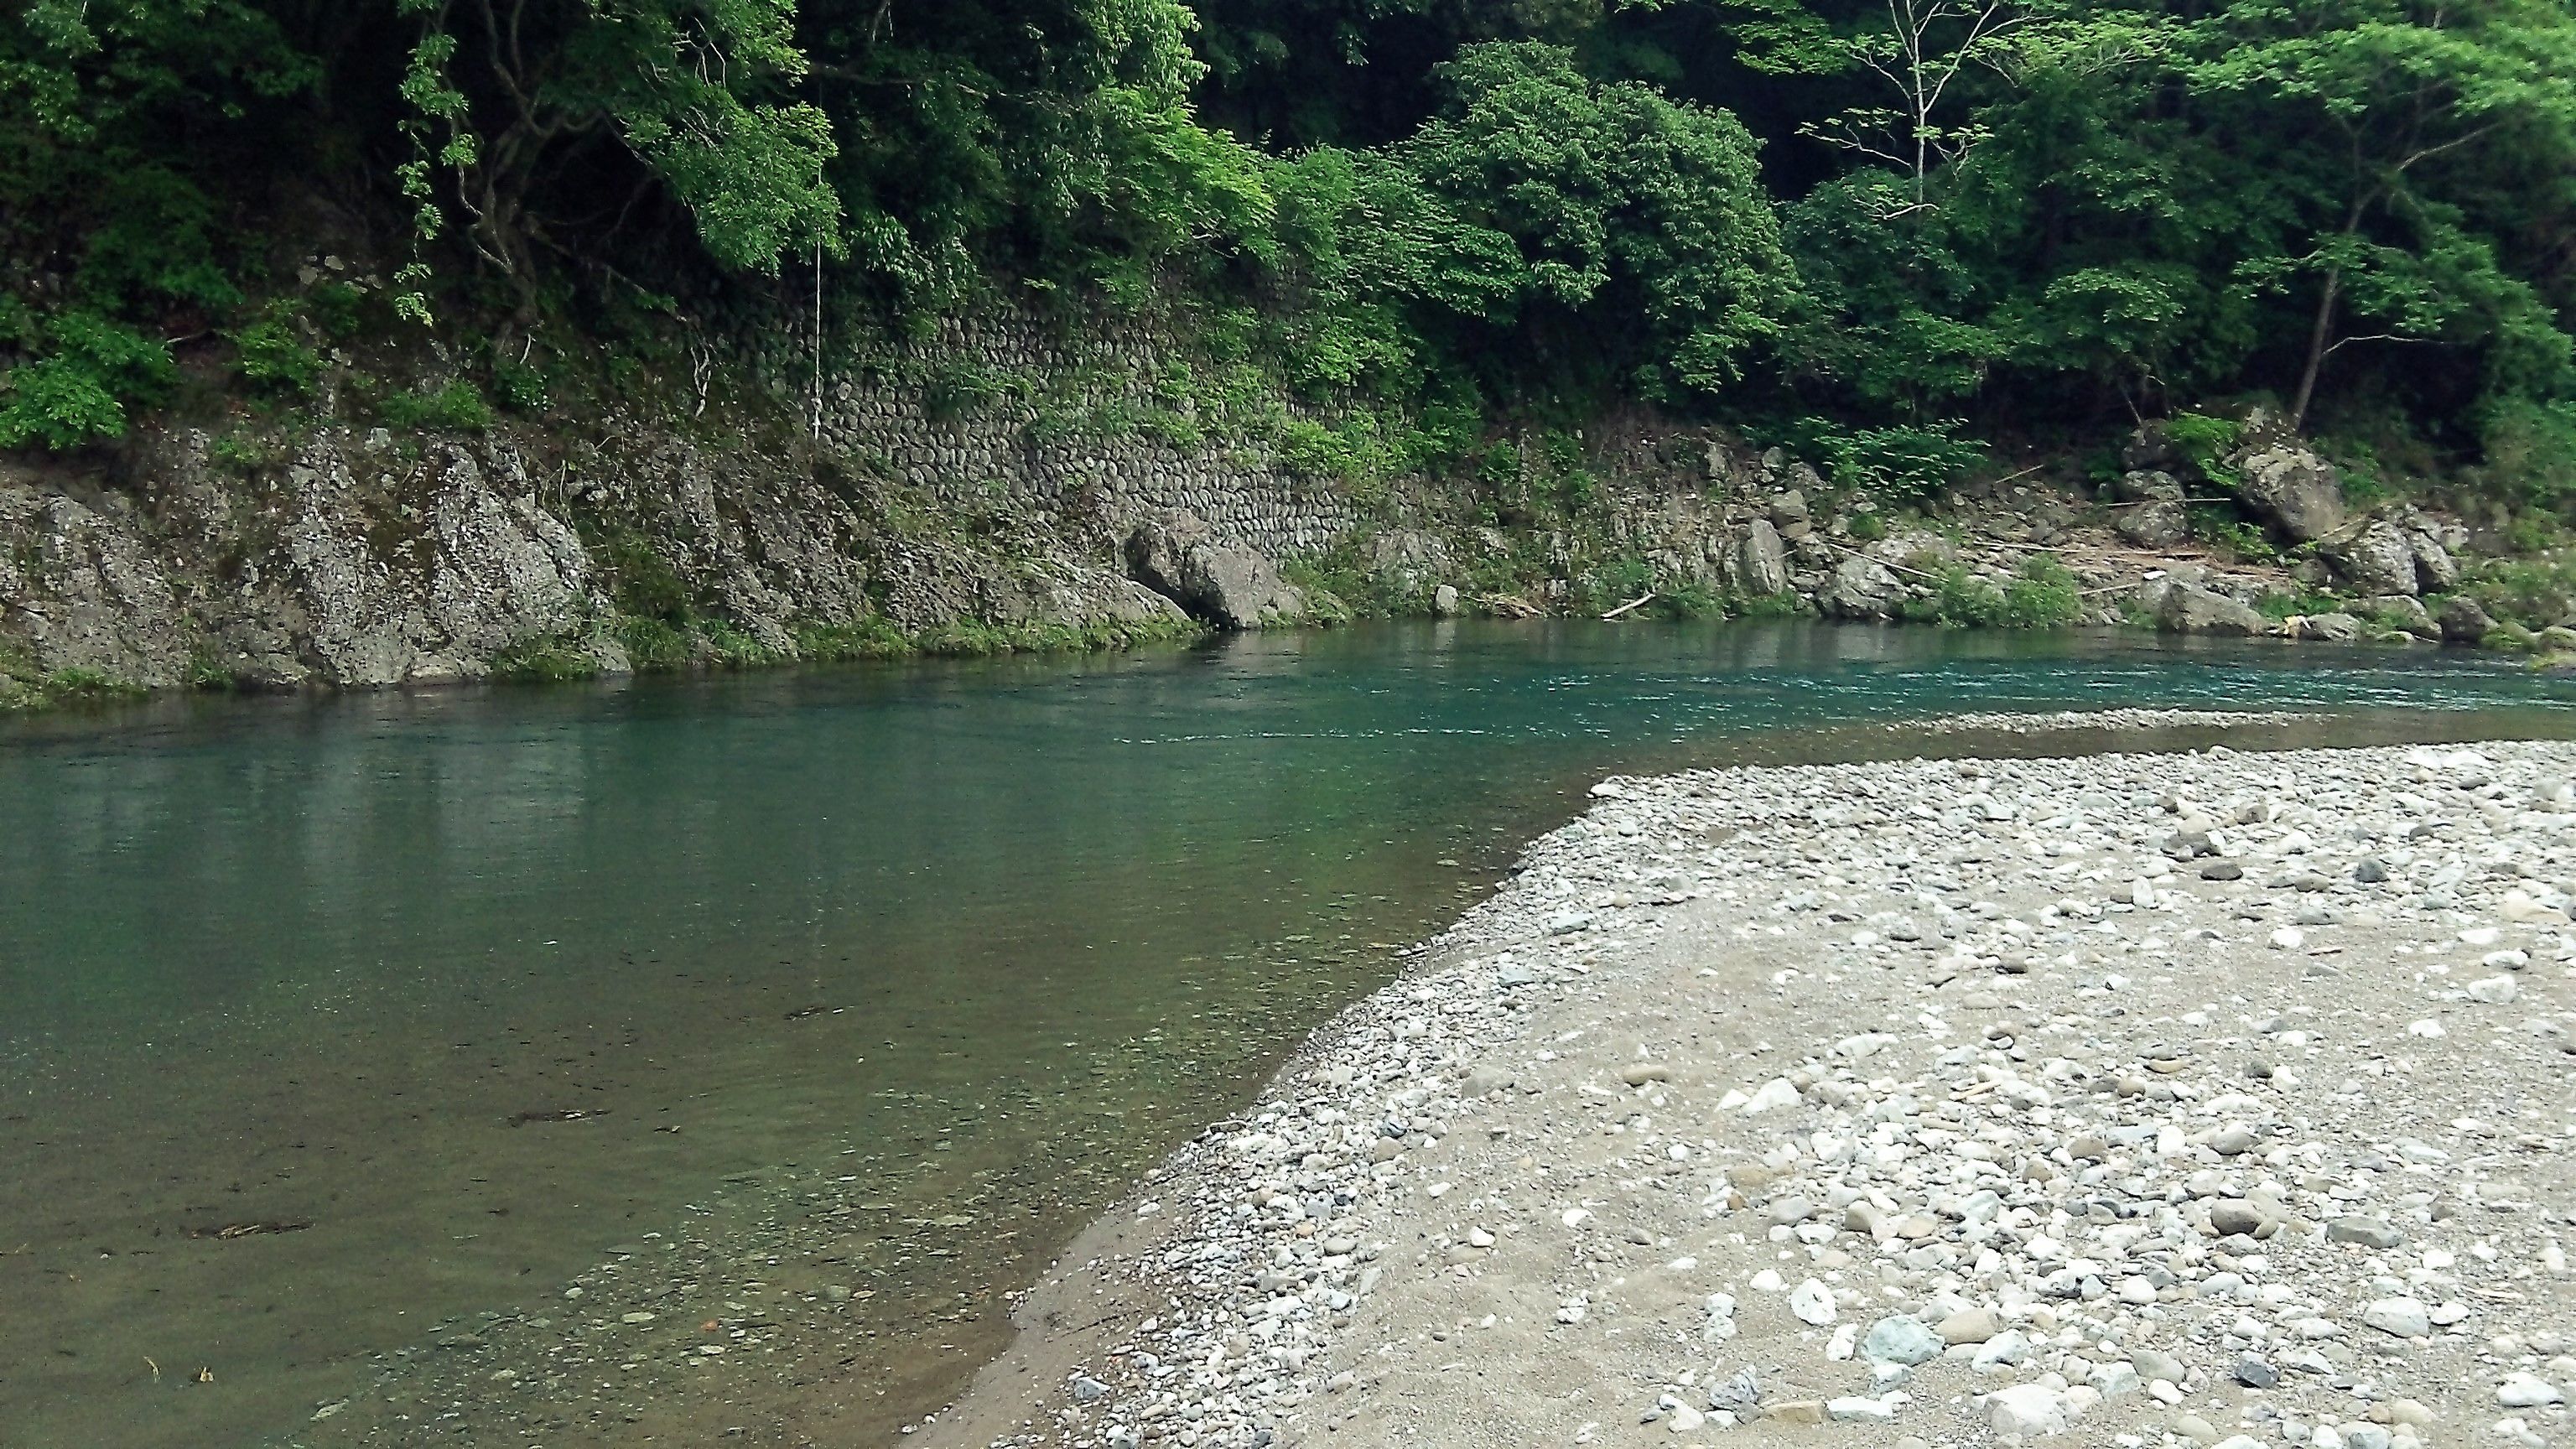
(333, 1030)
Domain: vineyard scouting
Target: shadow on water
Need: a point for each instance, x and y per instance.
(339, 1036)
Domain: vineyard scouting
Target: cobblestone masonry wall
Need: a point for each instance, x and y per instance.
(988, 456)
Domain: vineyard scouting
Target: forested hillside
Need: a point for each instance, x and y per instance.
(1924, 216)
(1887, 234)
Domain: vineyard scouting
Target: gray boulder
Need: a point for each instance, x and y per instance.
(2463, 621)
(2140, 485)
(1178, 556)
(2190, 609)
(1761, 564)
(2159, 524)
(2407, 612)
(2435, 570)
(1919, 547)
(2149, 448)
(2336, 628)
(1861, 588)
(2294, 490)
(2377, 560)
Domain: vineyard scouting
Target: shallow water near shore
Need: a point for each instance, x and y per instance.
(807, 1012)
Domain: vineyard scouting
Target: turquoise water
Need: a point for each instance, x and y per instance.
(338, 974)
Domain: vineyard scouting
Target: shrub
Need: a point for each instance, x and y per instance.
(1690, 601)
(1898, 462)
(2217, 526)
(2045, 596)
(2530, 452)
(455, 408)
(2536, 592)
(522, 388)
(272, 356)
(545, 659)
(2204, 440)
(78, 390)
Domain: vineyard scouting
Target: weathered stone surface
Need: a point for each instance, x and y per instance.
(1762, 565)
(84, 589)
(2336, 628)
(2377, 560)
(1178, 556)
(1920, 549)
(2462, 621)
(2152, 525)
(2188, 609)
(2408, 612)
(1408, 558)
(2148, 449)
(2294, 491)
(2147, 485)
(2435, 569)
(1861, 588)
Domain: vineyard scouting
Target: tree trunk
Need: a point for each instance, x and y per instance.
(2317, 347)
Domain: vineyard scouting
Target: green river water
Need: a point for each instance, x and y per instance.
(811, 1011)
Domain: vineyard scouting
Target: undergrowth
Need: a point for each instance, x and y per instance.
(2044, 595)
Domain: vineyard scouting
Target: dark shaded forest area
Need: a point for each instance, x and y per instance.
(1883, 231)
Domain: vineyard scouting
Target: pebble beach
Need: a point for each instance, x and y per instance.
(2157, 1101)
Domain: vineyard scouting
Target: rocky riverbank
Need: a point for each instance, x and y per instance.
(2140, 1100)
(270, 555)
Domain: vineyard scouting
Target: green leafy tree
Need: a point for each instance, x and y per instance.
(507, 97)
(1601, 234)
(2379, 97)
(1053, 139)
(1923, 56)
(1358, 72)
(119, 120)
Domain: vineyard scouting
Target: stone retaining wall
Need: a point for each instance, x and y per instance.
(988, 455)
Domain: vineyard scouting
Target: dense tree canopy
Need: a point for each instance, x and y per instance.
(1901, 213)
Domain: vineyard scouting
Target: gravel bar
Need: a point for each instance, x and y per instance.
(2148, 1100)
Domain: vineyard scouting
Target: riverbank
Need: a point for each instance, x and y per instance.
(2135, 1099)
(580, 546)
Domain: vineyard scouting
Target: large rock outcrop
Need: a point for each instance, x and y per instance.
(2190, 609)
(1862, 588)
(2293, 490)
(2435, 569)
(1761, 564)
(360, 559)
(2377, 560)
(352, 563)
(85, 590)
(1234, 587)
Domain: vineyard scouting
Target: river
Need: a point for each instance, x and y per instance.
(370, 1065)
